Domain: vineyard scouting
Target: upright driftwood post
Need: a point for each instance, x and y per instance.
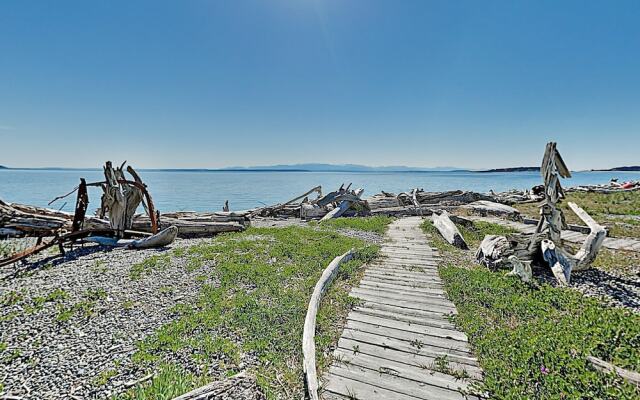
(120, 199)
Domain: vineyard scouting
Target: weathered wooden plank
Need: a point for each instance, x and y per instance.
(355, 389)
(402, 351)
(395, 383)
(413, 372)
(419, 305)
(427, 321)
(394, 294)
(427, 314)
(407, 326)
(395, 286)
(417, 340)
(412, 284)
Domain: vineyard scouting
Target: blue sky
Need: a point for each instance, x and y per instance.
(217, 83)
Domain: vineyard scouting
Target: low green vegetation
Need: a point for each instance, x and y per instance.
(532, 343)
(254, 311)
(104, 376)
(617, 211)
(156, 262)
(377, 224)
(532, 340)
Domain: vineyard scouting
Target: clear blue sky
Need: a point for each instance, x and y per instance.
(213, 83)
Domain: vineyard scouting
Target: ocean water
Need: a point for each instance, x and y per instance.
(208, 190)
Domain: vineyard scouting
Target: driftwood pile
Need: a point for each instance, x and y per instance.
(419, 202)
(115, 222)
(519, 252)
(342, 202)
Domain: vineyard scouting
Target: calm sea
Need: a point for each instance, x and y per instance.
(207, 190)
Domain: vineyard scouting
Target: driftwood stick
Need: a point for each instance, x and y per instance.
(308, 336)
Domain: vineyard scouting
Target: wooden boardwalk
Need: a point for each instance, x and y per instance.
(627, 244)
(399, 343)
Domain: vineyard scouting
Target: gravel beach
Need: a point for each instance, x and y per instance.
(69, 325)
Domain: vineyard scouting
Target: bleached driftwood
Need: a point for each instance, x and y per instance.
(119, 199)
(187, 228)
(485, 208)
(518, 251)
(601, 365)
(312, 211)
(346, 200)
(448, 230)
(383, 200)
(563, 263)
(287, 208)
(160, 239)
(229, 388)
(308, 335)
(15, 221)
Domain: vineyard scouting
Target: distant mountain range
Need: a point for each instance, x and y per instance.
(317, 167)
(336, 168)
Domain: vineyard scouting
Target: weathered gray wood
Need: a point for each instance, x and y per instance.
(343, 206)
(401, 350)
(308, 336)
(448, 230)
(601, 365)
(407, 371)
(401, 324)
(484, 208)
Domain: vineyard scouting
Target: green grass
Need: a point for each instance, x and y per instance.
(608, 209)
(377, 224)
(266, 276)
(156, 262)
(532, 341)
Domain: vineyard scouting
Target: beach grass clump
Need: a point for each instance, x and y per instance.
(619, 211)
(377, 224)
(252, 312)
(155, 262)
(532, 340)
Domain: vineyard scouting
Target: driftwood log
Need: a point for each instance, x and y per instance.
(289, 208)
(601, 365)
(308, 335)
(448, 230)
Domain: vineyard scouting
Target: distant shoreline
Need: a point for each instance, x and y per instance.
(336, 169)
